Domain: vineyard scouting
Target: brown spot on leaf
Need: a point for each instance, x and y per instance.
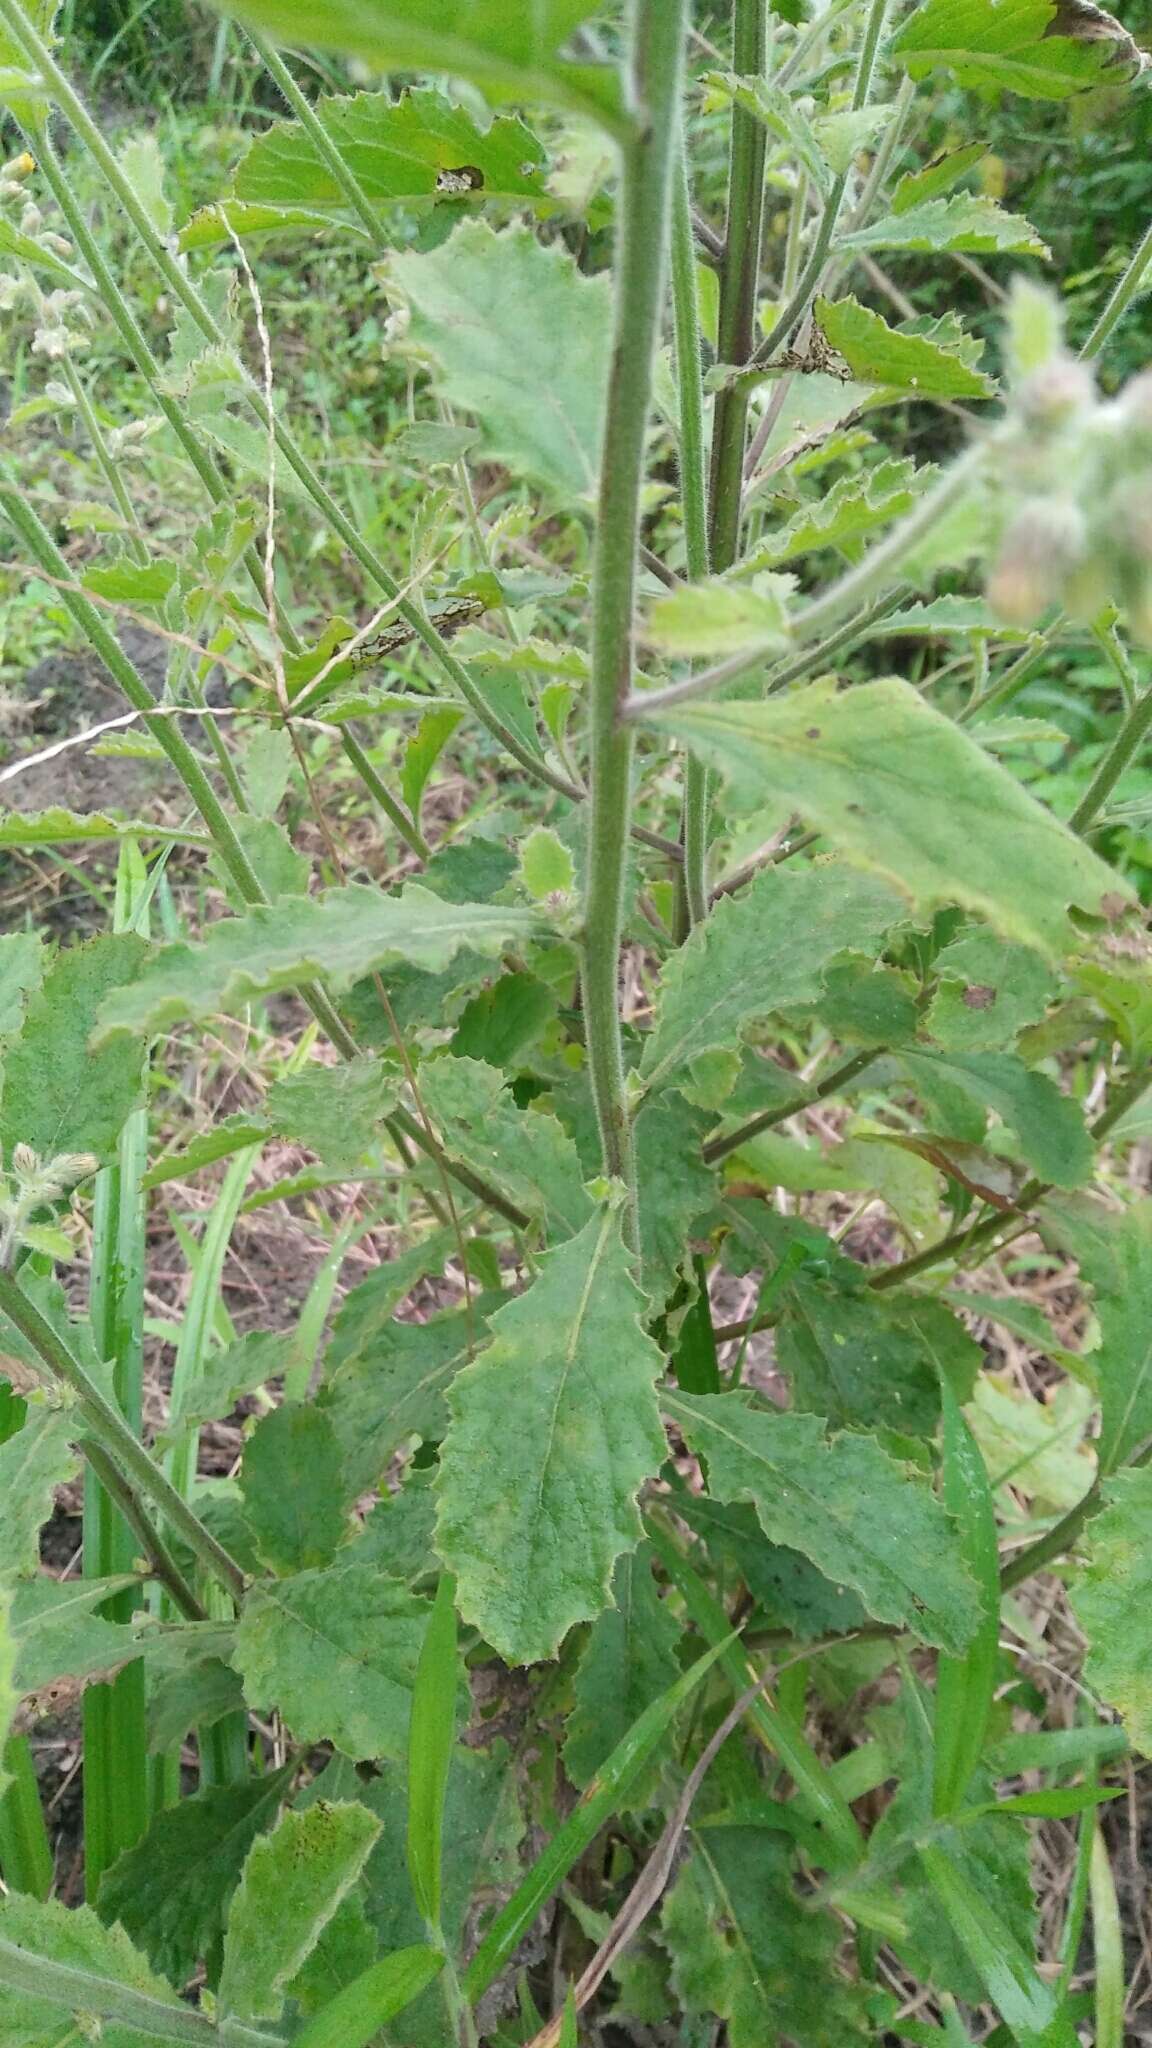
(813, 732)
(978, 996)
(1113, 905)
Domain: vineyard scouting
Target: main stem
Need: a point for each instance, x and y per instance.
(739, 281)
(655, 62)
(693, 888)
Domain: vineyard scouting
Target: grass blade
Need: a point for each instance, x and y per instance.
(1026, 2004)
(964, 1685)
(433, 1730)
(356, 2014)
(26, 1862)
(1108, 1943)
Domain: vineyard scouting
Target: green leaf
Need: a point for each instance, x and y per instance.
(1049, 1126)
(59, 827)
(33, 1463)
(231, 1134)
(170, 1892)
(988, 991)
(778, 111)
(674, 1189)
(716, 617)
(487, 308)
(546, 867)
(386, 1989)
(57, 1635)
(346, 1949)
(854, 507)
(58, 1095)
(292, 1882)
(58, 1961)
(333, 1111)
(406, 150)
(879, 354)
(500, 1023)
(904, 791)
(628, 1662)
(424, 750)
(336, 1651)
(337, 937)
(22, 962)
(863, 1519)
(397, 1536)
(1024, 2001)
(1110, 1597)
(964, 1685)
(746, 1949)
(743, 963)
(433, 1731)
(565, 1393)
(393, 1387)
(227, 1375)
(938, 177)
(266, 768)
(871, 1361)
(291, 1483)
(526, 1152)
(1113, 1249)
(1007, 48)
(511, 54)
(961, 225)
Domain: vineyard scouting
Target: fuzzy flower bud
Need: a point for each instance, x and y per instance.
(1055, 394)
(1045, 541)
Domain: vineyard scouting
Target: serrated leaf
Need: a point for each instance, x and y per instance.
(864, 1520)
(292, 1882)
(546, 867)
(902, 790)
(407, 150)
(717, 617)
(566, 1393)
(33, 1463)
(487, 308)
(57, 1634)
(988, 991)
(58, 1095)
(22, 962)
(1020, 46)
(527, 1152)
(747, 1950)
(1110, 1596)
(170, 1892)
(743, 963)
(778, 111)
(1113, 1249)
(291, 1483)
(337, 937)
(855, 506)
(869, 1361)
(511, 54)
(628, 1661)
(1049, 1126)
(393, 1386)
(674, 1188)
(879, 354)
(58, 827)
(333, 1111)
(336, 1651)
(938, 177)
(78, 1965)
(961, 225)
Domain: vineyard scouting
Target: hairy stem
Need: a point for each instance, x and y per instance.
(739, 282)
(657, 31)
(1125, 291)
(330, 156)
(113, 1435)
(694, 507)
(1125, 746)
(741, 664)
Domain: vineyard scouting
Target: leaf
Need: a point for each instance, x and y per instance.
(291, 1884)
(855, 506)
(747, 1950)
(291, 1483)
(1110, 1596)
(511, 54)
(195, 1695)
(170, 1892)
(778, 111)
(867, 1360)
(33, 1463)
(743, 963)
(674, 1187)
(333, 1111)
(1049, 1126)
(226, 1376)
(406, 150)
(879, 354)
(961, 225)
(385, 1990)
(57, 1635)
(526, 1152)
(938, 176)
(1036, 1446)
(546, 867)
(397, 1536)
(336, 1651)
(988, 991)
(503, 1021)
(965, 1685)
(715, 617)
(564, 1393)
(487, 308)
(863, 1519)
(337, 936)
(393, 1387)
(346, 1949)
(22, 962)
(1113, 1249)
(424, 750)
(902, 790)
(433, 1731)
(1026, 2003)
(628, 1662)
(266, 768)
(1009, 47)
(56, 1961)
(59, 1096)
(231, 1134)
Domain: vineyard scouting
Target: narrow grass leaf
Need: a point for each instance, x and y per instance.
(433, 1730)
(964, 1684)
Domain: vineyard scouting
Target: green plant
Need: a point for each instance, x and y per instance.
(746, 722)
